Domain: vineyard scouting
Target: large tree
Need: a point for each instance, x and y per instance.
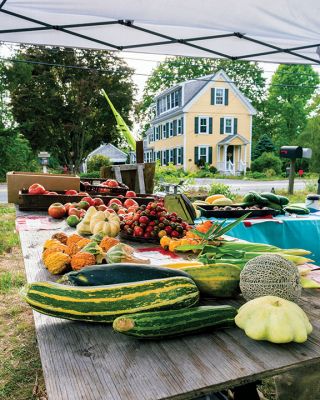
(292, 86)
(56, 100)
(247, 76)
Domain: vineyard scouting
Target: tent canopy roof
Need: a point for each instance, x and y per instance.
(282, 31)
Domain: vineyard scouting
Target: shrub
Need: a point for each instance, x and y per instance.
(96, 162)
(92, 174)
(266, 161)
(220, 188)
(270, 172)
(168, 173)
(206, 171)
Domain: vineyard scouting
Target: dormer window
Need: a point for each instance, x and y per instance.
(168, 102)
(219, 96)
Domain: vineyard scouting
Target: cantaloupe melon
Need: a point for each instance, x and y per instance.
(222, 202)
(214, 197)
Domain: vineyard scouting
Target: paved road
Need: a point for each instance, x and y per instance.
(3, 193)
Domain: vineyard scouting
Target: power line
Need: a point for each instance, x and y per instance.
(78, 67)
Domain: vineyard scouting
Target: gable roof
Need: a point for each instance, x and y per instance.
(230, 138)
(109, 150)
(194, 87)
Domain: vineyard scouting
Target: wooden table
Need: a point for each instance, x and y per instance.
(92, 362)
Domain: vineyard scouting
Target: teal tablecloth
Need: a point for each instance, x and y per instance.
(300, 232)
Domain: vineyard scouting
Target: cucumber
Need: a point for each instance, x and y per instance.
(106, 303)
(295, 209)
(283, 200)
(171, 323)
(256, 198)
(271, 197)
(109, 274)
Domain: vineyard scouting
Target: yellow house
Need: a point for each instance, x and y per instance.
(202, 121)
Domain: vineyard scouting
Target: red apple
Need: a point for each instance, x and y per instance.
(115, 201)
(74, 211)
(122, 211)
(36, 188)
(71, 192)
(131, 193)
(56, 210)
(130, 202)
(98, 201)
(110, 210)
(132, 209)
(67, 206)
(102, 207)
(89, 200)
(112, 183)
(83, 205)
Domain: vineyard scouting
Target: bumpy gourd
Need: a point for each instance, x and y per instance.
(108, 242)
(74, 238)
(61, 236)
(273, 319)
(51, 243)
(57, 262)
(270, 275)
(54, 249)
(81, 260)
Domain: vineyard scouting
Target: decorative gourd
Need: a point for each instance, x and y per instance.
(57, 262)
(216, 280)
(106, 223)
(62, 248)
(274, 319)
(61, 236)
(170, 323)
(106, 303)
(97, 237)
(81, 260)
(122, 253)
(165, 242)
(214, 197)
(51, 243)
(83, 227)
(108, 242)
(74, 238)
(72, 249)
(96, 250)
(270, 275)
(83, 242)
(173, 244)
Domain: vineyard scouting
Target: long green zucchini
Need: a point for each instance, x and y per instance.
(105, 303)
(153, 325)
(110, 274)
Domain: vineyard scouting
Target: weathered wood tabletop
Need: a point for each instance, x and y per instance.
(92, 362)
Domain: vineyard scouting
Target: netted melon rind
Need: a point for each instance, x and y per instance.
(270, 275)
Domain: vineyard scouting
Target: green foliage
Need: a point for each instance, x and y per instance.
(266, 162)
(207, 171)
(264, 145)
(168, 174)
(61, 109)
(287, 107)
(220, 188)
(97, 161)
(92, 174)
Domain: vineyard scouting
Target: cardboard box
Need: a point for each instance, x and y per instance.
(52, 182)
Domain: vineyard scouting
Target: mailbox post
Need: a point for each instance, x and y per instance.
(292, 153)
(44, 160)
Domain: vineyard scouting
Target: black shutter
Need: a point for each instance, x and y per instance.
(196, 125)
(175, 156)
(213, 93)
(226, 97)
(167, 129)
(174, 127)
(160, 155)
(167, 157)
(235, 126)
(181, 155)
(221, 126)
(182, 126)
(210, 124)
(210, 155)
(196, 155)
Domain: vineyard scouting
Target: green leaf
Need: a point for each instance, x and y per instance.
(188, 247)
(233, 224)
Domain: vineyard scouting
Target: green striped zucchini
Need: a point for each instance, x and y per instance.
(105, 303)
(154, 325)
(216, 280)
(110, 274)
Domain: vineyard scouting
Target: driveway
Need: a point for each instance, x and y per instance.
(3, 193)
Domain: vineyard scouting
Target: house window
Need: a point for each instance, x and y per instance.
(171, 129)
(171, 156)
(203, 125)
(164, 133)
(157, 133)
(148, 156)
(163, 162)
(176, 98)
(228, 126)
(219, 96)
(168, 102)
(179, 155)
(203, 153)
(180, 126)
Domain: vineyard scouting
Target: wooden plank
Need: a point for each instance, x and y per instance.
(140, 168)
(117, 173)
(91, 362)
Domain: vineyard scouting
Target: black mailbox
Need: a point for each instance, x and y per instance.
(291, 152)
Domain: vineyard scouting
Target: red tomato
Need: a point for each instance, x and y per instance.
(36, 188)
(110, 183)
(71, 192)
(51, 193)
(137, 231)
(130, 202)
(115, 201)
(122, 211)
(143, 219)
(98, 201)
(131, 193)
(56, 210)
(102, 207)
(132, 209)
(89, 200)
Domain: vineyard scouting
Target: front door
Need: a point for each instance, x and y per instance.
(230, 159)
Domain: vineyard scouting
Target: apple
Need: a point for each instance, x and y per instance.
(130, 202)
(84, 205)
(131, 193)
(112, 183)
(57, 210)
(36, 188)
(74, 211)
(102, 207)
(98, 201)
(82, 213)
(132, 209)
(67, 206)
(73, 220)
(89, 200)
(115, 201)
(111, 210)
(122, 211)
(71, 192)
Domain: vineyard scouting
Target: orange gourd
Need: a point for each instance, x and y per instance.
(108, 242)
(81, 260)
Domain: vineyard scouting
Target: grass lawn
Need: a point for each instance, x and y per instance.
(21, 375)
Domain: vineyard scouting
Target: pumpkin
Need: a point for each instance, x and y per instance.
(83, 228)
(106, 223)
(108, 242)
(81, 260)
(51, 243)
(273, 319)
(57, 262)
(61, 236)
(74, 238)
(270, 275)
(122, 253)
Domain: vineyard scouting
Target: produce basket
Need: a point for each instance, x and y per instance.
(93, 185)
(234, 211)
(28, 202)
(139, 239)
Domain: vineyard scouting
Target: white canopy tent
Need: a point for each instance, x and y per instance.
(281, 31)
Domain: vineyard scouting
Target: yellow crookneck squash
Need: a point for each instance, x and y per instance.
(106, 223)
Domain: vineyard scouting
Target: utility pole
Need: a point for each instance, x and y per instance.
(291, 175)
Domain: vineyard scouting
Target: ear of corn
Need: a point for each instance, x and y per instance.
(183, 264)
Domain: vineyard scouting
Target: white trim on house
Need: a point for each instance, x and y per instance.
(207, 118)
(225, 125)
(206, 147)
(223, 96)
(227, 80)
(184, 143)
